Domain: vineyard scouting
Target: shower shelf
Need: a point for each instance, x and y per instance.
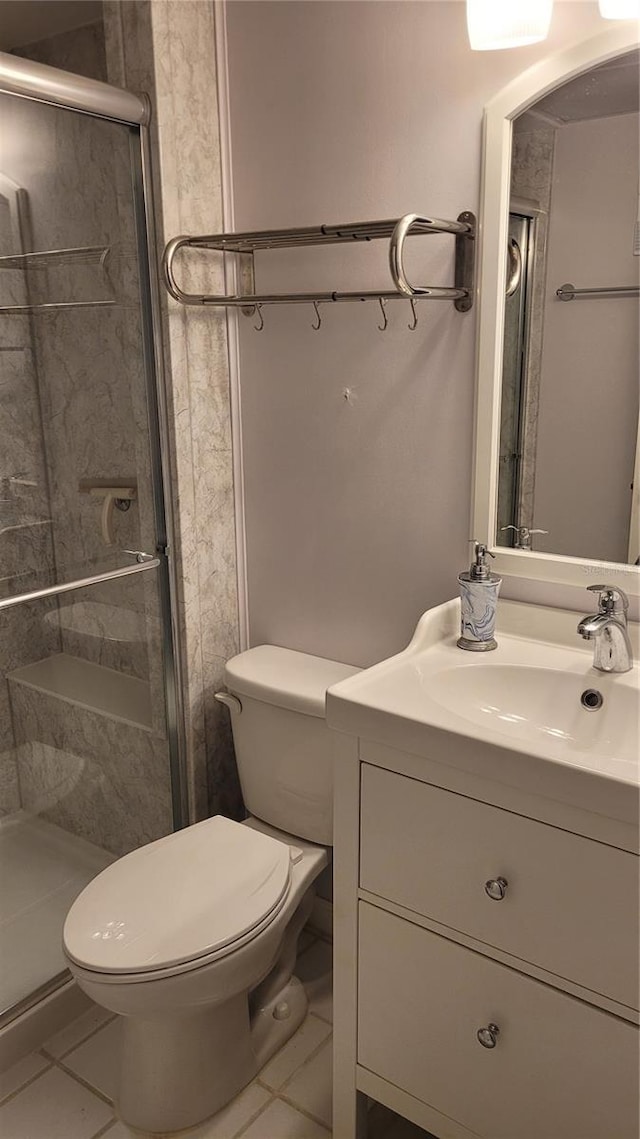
(244, 245)
(52, 259)
(90, 686)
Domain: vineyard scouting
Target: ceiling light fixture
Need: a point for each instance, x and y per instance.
(619, 9)
(495, 24)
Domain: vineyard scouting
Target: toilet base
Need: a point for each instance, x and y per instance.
(193, 1038)
(208, 1058)
(178, 1070)
(275, 1022)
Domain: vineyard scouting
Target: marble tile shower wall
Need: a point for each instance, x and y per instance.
(98, 777)
(26, 551)
(94, 410)
(95, 776)
(168, 50)
(80, 50)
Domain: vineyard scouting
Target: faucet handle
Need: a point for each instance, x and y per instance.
(612, 599)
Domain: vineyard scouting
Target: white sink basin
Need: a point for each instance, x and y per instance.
(541, 708)
(513, 714)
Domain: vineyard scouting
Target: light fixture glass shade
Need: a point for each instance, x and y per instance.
(619, 9)
(494, 24)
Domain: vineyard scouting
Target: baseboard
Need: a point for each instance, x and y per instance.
(321, 919)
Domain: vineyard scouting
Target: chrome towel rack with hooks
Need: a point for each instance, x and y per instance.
(245, 245)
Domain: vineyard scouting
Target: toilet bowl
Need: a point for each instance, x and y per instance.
(192, 939)
(175, 948)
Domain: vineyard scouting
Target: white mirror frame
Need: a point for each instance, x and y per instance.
(492, 261)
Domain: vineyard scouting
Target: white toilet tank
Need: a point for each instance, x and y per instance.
(284, 749)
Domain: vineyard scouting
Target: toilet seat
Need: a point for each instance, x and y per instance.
(182, 901)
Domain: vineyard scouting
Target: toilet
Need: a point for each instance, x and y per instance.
(192, 939)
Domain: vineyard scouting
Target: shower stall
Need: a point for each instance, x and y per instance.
(90, 726)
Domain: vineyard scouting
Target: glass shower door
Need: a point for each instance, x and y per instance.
(88, 732)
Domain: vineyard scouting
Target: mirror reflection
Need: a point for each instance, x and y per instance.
(569, 468)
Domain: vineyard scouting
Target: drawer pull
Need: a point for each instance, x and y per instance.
(488, 1037)
(496, 888)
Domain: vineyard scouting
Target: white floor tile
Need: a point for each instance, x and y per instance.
(225, 1125)
(74, 1033)
(309, 1036)
(97, 1060)
(310, 1088)
(53, 1107)
(314, 968)
(279, 1121)
(19, 1074)
(228, 1122)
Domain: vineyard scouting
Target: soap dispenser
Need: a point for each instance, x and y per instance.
(478, 603)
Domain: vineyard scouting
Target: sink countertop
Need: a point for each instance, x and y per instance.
(512, 715)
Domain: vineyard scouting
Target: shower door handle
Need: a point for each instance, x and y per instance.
(515, 266)
(145, 562)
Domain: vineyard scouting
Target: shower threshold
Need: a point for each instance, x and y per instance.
(43, 869)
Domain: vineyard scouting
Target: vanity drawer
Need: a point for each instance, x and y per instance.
(570, 905)
(560, 1069)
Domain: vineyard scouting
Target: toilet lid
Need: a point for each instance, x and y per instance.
(177, 899)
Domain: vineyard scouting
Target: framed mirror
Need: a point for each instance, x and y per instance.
(557, 470)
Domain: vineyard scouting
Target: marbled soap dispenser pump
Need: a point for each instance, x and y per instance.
(478, 603)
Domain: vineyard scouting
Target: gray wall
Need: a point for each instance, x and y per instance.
(357, 511)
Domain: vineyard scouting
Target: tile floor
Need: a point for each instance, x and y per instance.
(65, 1090)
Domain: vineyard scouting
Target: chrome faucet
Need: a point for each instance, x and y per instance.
(523, 535)
(608, 630)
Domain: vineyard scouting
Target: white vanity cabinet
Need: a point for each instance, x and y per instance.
(546, 896)
(486, 959)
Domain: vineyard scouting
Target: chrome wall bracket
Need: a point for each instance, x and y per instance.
(465, 262)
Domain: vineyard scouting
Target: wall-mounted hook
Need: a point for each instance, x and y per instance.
(382, 302)
(414, 323)
(259, 327)
(316, 327)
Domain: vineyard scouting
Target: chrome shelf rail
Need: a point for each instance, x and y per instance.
(54, 258)
(244, 245)
(568, 292)
(52, 306)
(146, 562)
